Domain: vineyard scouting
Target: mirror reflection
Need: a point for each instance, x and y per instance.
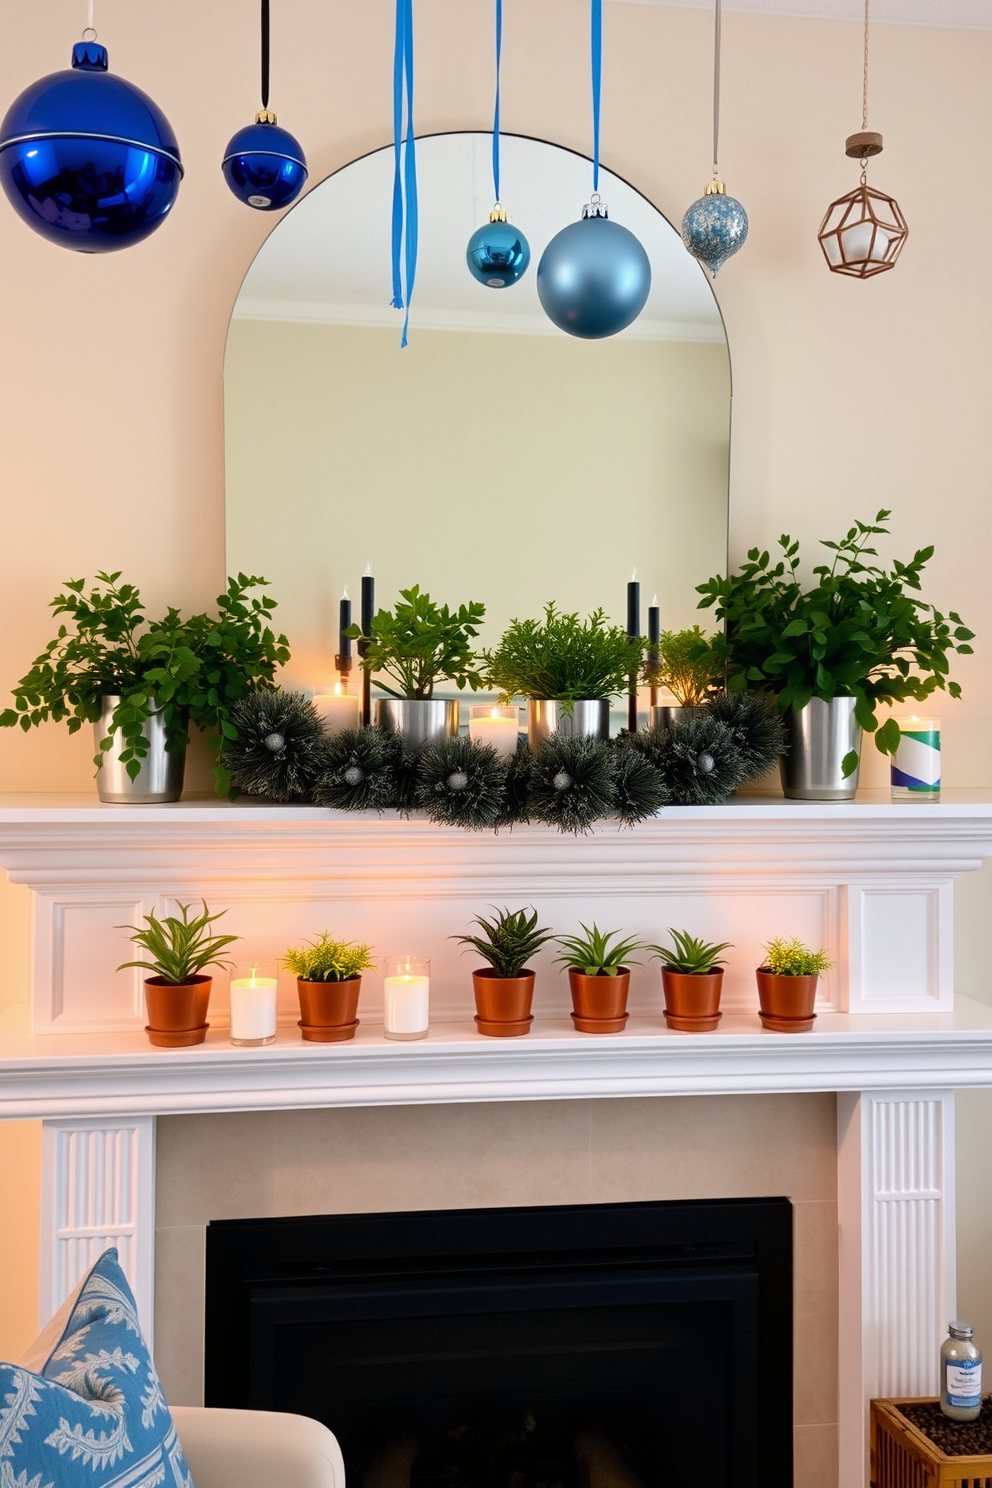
(495, 458)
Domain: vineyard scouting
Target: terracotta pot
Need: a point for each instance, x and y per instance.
(503, 1003)
(786, 1002)
(329, 1010)
(692, 999)
(599, 1003)
(177, 1016)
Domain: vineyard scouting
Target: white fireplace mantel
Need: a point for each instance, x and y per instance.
(871, 881)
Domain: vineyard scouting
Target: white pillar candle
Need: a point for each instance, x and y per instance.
(915, 769)
(253, 1007)
(406, 988)
(338, 710)
(498, 726)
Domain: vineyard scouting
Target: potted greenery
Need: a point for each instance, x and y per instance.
(328, 980)
(141, 683)
(177, 993)
(681, 661)
(416, 645)
(692, 978)
(505, 990)
(787, 982)
(598, 979)
(833, 650)
(568, 670)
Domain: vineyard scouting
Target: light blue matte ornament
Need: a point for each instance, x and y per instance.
(497, 254)
(594, 276)
(714, 227)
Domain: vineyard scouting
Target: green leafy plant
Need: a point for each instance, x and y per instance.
(793, 958)
(683, 661)
(563, 657)
(190, 670)
(593, 954)
(691, 956)
(858, 631)
(418, 643)
(509, 941)
(328, 960)
(179, 947)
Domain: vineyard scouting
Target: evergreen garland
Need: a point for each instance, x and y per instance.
(460, 783)
(571, 784)
(759, 732)
(699, 759)
(639, 785)
(280, 747)
(359, 771)
(517, 786)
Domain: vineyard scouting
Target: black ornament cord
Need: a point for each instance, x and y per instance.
(265, 54)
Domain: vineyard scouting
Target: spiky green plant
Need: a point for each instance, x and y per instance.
(793, 958)
(509, 941)
(328, 960)
(690, 956)
(593, 954)
(179, 947)
(562, 657)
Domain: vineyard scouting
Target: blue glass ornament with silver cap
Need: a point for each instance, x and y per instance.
(88, 160)
(263, 164)
(714, 227)
(497, 253)
(594, 277)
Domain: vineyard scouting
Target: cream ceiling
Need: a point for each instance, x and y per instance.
(972, 14)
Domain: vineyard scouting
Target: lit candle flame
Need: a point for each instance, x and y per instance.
(368, 570)
(338, 689)
(346, 595)
(633, 575)
(654, 601)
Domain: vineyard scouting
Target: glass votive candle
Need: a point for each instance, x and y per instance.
(915, 767)
(406, 996)
(497, 725)
(338, 710)
(253, 1004)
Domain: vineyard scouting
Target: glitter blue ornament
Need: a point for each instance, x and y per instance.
(714, 227)
(594, 276)
(88, 160)
(497, 254)
(264, 165)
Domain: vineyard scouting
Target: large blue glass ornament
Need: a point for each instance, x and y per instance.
(88, 160)
(264, 165)
(594, 276)
(714, 227)
(498, 254)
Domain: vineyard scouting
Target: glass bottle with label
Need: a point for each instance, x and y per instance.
(960, 1374)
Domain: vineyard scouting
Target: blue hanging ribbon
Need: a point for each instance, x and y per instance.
(499, 49)
(405, 166)
(597, 83)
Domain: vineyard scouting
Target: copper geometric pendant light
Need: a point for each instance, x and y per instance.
(863, 232)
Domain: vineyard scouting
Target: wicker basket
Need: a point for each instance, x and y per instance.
(902, 1457)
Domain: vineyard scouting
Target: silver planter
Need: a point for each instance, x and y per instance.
(588, 718)
(419, 720)
(160, 778)
(663, 715)
(819, 736)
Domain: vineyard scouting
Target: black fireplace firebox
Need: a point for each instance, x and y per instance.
(591, 1346)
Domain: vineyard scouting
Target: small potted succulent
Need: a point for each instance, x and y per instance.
(177, 993)
(416, 645)
(598, 978)
(787, 983)
(504, 991)
(692, 976)
(681, 662)
(568, 670)
(328, 980)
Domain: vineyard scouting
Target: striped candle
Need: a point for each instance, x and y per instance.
(916, 763)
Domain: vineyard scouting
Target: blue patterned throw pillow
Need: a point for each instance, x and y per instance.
(95, 1413)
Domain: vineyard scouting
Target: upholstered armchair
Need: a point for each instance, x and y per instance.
(257, 1449)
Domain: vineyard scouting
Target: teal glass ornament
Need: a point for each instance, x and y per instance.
(594, 277)
(714, 227)
(88, 160)
(498, 254)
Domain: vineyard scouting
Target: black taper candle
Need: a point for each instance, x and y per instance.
(368, 611)
(654, 636)
(634, 633)
(342, 660)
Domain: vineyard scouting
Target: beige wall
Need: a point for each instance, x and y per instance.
(848, 396)
(556, 1152)
(501, 468)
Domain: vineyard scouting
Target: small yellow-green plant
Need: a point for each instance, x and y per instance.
(179, 947)
(593, 954)
(690, 956)
(793, 958)
(683, 662)
(328, 960)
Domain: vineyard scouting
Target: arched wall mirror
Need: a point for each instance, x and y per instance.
(495, 458)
